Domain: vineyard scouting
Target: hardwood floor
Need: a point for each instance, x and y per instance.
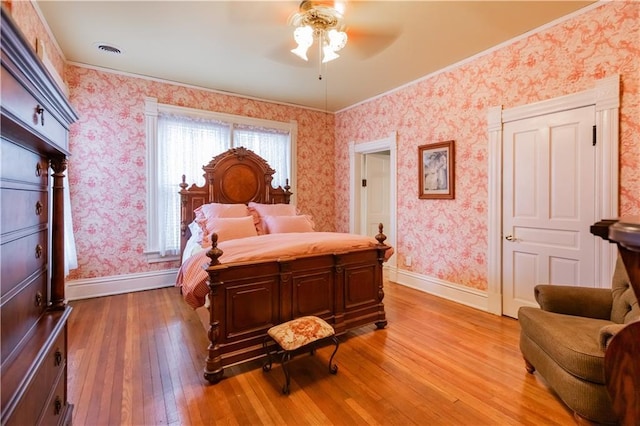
(137, 359)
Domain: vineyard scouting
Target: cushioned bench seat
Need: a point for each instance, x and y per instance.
(298, 334)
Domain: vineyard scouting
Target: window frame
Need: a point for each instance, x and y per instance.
(151, 110)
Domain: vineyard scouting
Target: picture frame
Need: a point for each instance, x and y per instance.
(436, 170)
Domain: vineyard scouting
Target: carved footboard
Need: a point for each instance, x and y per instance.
(246, 299)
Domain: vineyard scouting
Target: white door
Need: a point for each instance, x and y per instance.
(376, 196)
(548, 199)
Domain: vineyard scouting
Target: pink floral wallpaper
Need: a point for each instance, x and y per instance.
(448, 238)
(107, 166)
(24, 15)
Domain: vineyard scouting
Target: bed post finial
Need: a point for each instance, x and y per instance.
(184, 185)
(215, 253)
(380, 237)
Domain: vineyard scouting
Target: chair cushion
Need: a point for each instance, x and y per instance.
(301, 331)
(573, 342)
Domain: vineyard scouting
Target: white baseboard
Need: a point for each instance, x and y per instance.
(118, 284)
(457, 293)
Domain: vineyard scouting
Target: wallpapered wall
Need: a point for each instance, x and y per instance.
(448, 238)
(107, 166)
(33, 29)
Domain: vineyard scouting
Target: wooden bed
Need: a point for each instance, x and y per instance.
(247, 298)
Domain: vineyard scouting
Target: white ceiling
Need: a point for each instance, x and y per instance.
(243, 47)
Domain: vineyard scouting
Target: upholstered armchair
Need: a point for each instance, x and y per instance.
(565, 341)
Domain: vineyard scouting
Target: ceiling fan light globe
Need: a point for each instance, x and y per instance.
(337, 39)
(303, 36)
(328, 54)
(301, 52)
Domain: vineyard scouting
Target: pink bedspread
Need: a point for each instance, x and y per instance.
(192, 276)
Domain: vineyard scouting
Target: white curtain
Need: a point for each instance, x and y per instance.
(70, 254)
(185, 144)
(272, 145)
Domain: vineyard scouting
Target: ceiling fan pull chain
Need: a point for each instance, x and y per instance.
(320, 42)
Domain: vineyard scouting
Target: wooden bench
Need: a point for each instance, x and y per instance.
(299, 334)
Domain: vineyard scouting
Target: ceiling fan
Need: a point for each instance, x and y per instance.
(325, 22)
(321, 22)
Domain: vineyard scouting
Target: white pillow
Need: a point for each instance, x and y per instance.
(196, 231)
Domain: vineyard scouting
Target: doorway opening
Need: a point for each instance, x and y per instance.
(373, 164)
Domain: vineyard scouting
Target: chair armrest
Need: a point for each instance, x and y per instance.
(579, 301)
(606, 334)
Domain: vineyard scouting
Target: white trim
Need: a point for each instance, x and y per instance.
(481, 54)
(455, 292)
(119, 284)
(151, 136)
(156, 257)
(221, 116)
(47, 28)
(356, 153)
(606, 97)
(607, 101)
(494, 211)
(151, 110)
(293, 150)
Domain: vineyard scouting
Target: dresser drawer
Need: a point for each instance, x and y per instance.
(45, 398)
(22, 209)
(20, 166)
(20, 104)
(56, 405)
(20, 312)
(21, 257)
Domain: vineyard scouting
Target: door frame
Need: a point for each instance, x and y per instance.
(605, 95)
(356, 157)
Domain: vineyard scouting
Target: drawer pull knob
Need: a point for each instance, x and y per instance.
(38, 170)
(57, 405)
(39, 208)
(58, 358)
(38, 299)
(38, 251)
(40, 112)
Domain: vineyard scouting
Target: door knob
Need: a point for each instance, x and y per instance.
(509, 238)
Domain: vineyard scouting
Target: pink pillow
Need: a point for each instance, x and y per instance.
(260, 210)
(229, 228)
(284, 224)
(210, 210)
(215, 210)
(274, 209)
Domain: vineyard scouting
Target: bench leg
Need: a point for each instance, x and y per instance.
(333, 368)
(267, 365)
(286, 356)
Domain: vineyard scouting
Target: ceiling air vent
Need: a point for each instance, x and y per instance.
(108, 48)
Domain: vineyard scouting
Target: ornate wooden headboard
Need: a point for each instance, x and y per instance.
(236, 176)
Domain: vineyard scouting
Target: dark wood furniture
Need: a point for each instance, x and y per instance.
(35, 122)
(622, 358)
(248, 298)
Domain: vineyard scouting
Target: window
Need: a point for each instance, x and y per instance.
(180, 141)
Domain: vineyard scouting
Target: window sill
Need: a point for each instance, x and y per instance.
(155, 257)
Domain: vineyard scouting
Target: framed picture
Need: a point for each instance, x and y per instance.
(436, 170)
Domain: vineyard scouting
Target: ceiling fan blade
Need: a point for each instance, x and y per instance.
(368, 43)
(260, 12)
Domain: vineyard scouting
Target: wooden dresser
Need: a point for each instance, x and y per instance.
(33, 311)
